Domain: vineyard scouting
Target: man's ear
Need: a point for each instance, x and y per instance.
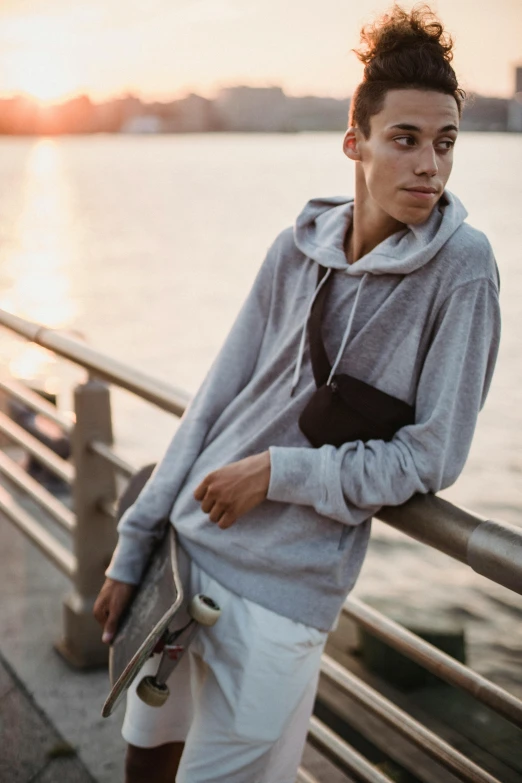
(351, 144)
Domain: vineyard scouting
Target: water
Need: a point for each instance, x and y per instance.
(146, 246)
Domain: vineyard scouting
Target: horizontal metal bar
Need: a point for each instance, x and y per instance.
(46, 543)
(433, 745)
(35, 402)
(107, 453)
(59, 512)
(339, 749)
(493, 549)
(434, 660)
(303, 776)
(41, 452)
(158, 392)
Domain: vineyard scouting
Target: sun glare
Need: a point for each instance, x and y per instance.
(44, 80)
(44, 68)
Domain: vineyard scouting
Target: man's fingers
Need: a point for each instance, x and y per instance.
(108, 607)
(109, 628)
(227, 520)
(116, 607)
(101, 609)
(210, 506)
(217, 512)
(200, 491)
(207, 504)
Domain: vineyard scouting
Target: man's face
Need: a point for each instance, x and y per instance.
(409, 152)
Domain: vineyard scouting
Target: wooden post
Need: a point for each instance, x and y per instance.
(95, 534)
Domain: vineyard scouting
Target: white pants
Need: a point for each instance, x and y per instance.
(241, 698)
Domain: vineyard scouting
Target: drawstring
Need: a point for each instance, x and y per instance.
(300, 353)
(346, 331)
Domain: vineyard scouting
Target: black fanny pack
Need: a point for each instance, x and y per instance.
(346, 409)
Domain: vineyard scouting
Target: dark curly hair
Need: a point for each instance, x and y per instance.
(403, 50)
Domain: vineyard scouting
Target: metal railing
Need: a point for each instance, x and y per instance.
(491, 548)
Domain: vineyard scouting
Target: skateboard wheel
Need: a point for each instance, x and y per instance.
(151, 693)
(204, 610)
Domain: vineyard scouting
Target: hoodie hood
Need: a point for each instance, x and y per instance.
(319, 233)
(321, 227)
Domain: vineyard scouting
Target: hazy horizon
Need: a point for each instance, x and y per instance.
(148, 98)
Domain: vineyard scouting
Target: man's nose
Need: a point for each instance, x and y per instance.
(427, 161)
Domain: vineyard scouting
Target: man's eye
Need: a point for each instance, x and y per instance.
(405, 141)
(446, 144)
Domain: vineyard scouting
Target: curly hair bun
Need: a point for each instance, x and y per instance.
(401, 44)
(403, 50)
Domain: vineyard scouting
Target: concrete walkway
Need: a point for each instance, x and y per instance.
(31, 749)
(44, 702)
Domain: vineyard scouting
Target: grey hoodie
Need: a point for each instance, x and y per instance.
(417, 317)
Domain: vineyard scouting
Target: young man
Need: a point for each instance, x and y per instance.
(276, 530)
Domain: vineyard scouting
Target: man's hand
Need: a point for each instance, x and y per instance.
(229, 492)
(108, 607)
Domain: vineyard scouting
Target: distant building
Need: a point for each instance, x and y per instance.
(118, 113)
(269, 109)
(194, 114)
(515, 114)
(515, 105)
(485, 114)
(251, 109)
(145, 123)
(317, 114)
(518, 79)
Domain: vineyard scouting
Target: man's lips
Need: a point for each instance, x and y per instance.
(422, 192)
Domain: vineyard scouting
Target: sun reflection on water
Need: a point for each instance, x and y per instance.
(39, 256)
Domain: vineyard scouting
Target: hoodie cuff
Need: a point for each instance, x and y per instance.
(127, 562)
(294, 475)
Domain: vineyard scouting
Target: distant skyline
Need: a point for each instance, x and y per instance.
(163, 49)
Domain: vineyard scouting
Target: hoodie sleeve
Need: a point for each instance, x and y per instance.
(352, 482)
(232, 369)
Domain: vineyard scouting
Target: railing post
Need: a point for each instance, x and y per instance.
(4, 408)
(95, 533)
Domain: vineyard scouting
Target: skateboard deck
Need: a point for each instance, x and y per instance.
(159, 617)
(157, 608)
(157, 603)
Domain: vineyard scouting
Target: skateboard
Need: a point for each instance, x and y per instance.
(159, 619)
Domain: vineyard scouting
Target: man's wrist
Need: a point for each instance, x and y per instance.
(267, 468)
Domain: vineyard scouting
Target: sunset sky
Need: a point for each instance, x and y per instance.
(53, 49)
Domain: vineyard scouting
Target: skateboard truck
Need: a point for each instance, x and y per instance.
(153, 690)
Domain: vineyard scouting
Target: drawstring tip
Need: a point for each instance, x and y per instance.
(292, 390)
